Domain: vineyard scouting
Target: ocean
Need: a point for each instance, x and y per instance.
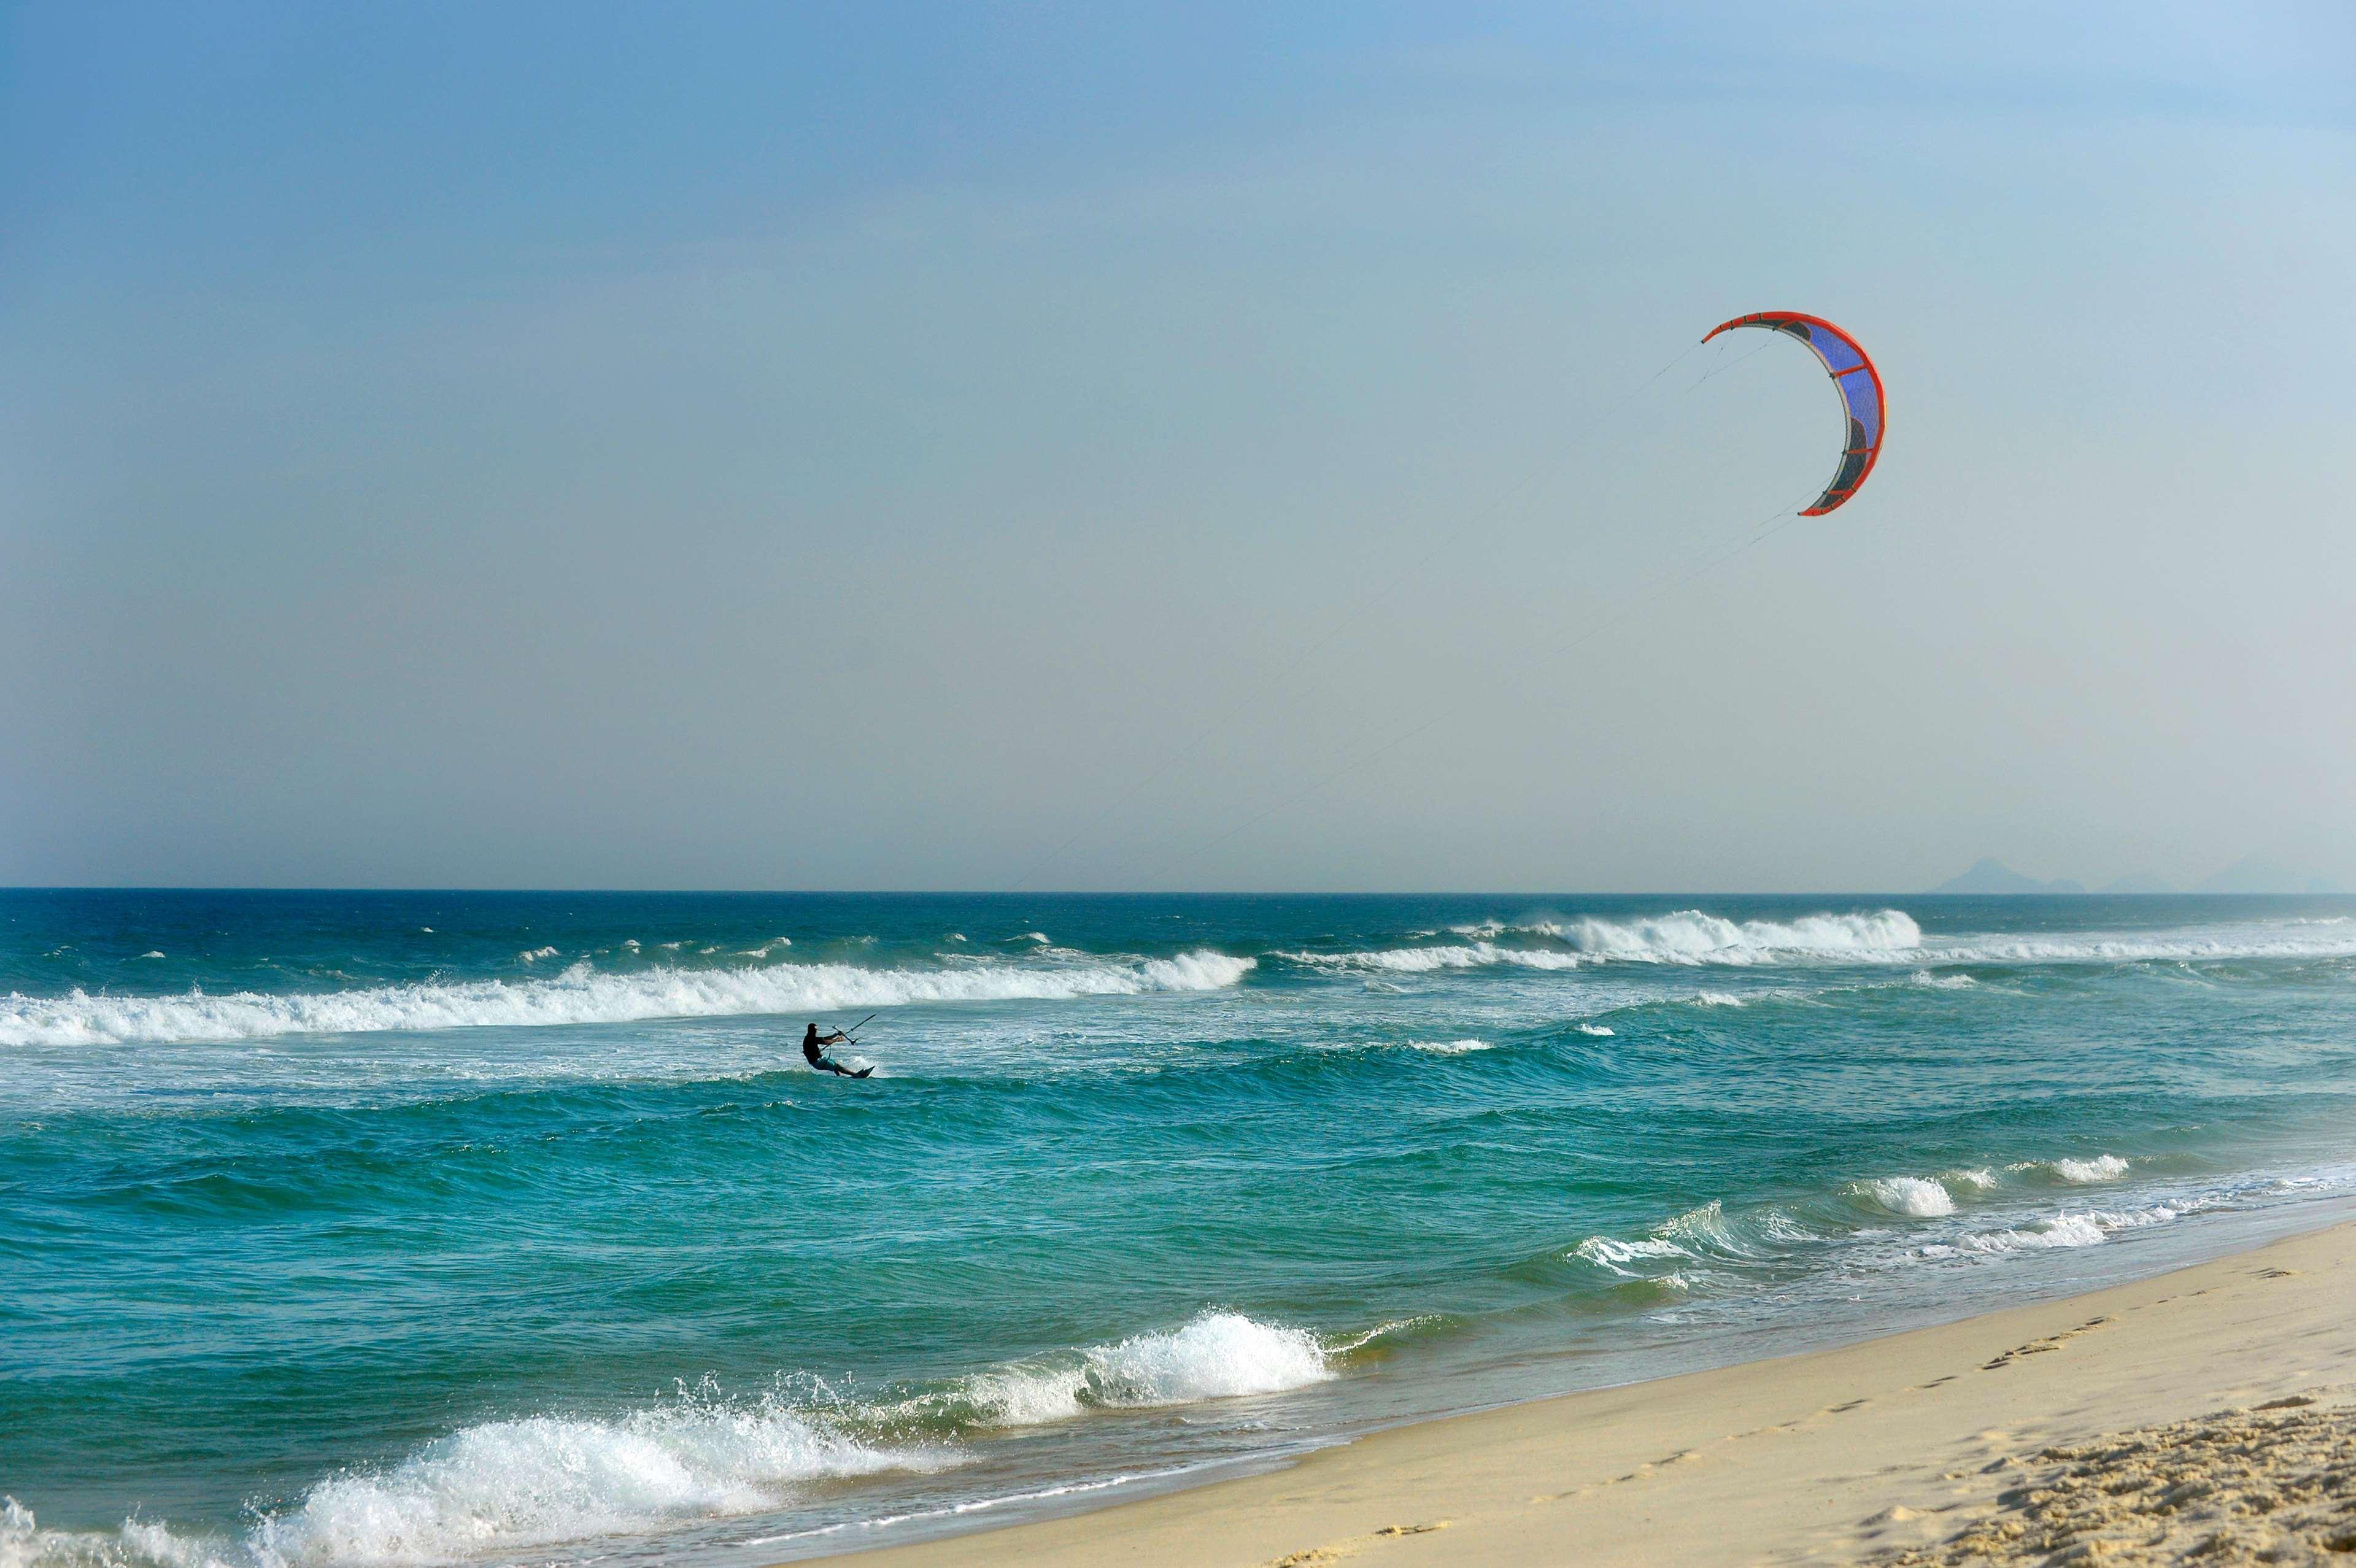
(488, 1227)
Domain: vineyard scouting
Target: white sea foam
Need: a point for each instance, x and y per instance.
(533, 955)
(581, 994)
(1980, 1179)
(1686, 937)
(1689, 936)
(1600, 1030)
(2090, 1227)
(503, 1487)
(509, 1485)
(1717, 999)
(25, 1544)
(1449, 1047)
(2076, 1173)
(2287, 940)
(1609, 1253)
(1891, 936)
(1918, 1197)
(1219, 1355)
(1424, 960)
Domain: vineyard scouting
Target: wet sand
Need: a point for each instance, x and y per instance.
(2205, 1416)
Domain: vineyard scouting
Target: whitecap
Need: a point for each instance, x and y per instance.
(2065, 1229)
(583, 996)
(1689, 936)
(2074, 1171)
(2200, 944)
(1918, 1197)
(1610, 1253)
(1426, 961)
(505, 1486)
(1218, 1354)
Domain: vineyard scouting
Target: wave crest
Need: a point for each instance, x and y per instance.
(1917, 1198)
(584, 995)
(546, 1480)
(501, 1486)
(1217, 1355)
(1689, 936)
(2090, 1229)
(1426, 961)
(2075, 1172)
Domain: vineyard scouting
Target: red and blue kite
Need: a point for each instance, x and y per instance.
(1854, 377)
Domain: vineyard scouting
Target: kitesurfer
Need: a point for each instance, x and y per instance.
(814, 1052)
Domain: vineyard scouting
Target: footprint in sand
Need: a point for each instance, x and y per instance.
(1334, 1553)
(2038, 1346)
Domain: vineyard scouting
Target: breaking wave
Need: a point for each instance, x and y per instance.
(536, 1482)
(2290, 939)
(501, 1486)
(505, 1486)
(1218, 1354)
(1606, 1252)
(1770, 1235)
(583, 996)
(1688, 936)
(1424, 960)
(1917, 1198)
(2090, 1227)
(2075, 1173)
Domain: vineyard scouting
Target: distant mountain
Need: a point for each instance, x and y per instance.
(2139, 882)
(2255, 874)
(1989, 874)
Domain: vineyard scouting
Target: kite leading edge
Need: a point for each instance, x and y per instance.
(1854, 377)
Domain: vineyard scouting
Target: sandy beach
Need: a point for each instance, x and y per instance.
(2208, 1414)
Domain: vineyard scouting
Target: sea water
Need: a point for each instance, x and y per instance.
(369, 1227)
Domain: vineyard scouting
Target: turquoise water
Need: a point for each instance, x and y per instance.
(407, 1228)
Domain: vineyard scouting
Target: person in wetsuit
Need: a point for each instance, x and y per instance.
(814, 1052)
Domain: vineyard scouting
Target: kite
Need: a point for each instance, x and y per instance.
(1854, 377)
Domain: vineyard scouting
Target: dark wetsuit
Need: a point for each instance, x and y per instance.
(811, 1053)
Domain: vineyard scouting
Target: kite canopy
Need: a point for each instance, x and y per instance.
(1854, 377)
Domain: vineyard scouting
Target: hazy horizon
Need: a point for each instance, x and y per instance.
(902, 448)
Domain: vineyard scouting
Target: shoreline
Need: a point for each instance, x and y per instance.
(1856, 1451)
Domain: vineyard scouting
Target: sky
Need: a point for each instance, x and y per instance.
(1205, 447)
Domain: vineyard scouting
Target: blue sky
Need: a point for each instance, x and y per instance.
(859, 446)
